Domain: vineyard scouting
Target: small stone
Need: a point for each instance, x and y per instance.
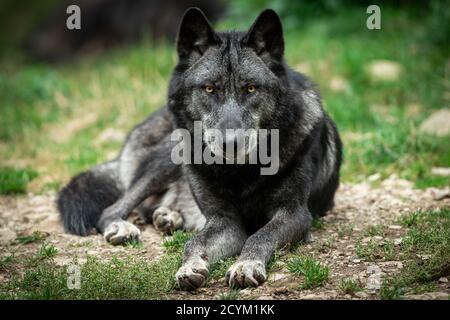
(265, 297)
(6, 236)
(437, 124)
(355, 260)
(281, 290)
(395, 227)
(441, 171)
(384, 70)
(278, 276)
(443, 280)
(339, 84)
(398, 241)
(361, 294)
(245, 292)
(430, 296)
(442, 194)
(374, 177)
(366, 240)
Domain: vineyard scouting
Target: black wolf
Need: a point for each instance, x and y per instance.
(227, 80)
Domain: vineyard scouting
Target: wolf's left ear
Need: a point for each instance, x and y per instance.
(266, 35)
(195, 34)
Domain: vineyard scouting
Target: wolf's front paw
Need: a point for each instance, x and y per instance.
(166, 220)
(119, 232)
(248, 273)
(192, 274)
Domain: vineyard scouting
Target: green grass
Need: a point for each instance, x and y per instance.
(426, 250)
(375, 230)
(135, 244)
(219, 268)
(317, 223)
(115, 279)
(345, 230)
(118, 278)
(231, 294)
(349, 286)
(34, 237)
(313, 273)
(375, 250)
(13, 181)
(47, 251)
(6, 262)
(176, 242)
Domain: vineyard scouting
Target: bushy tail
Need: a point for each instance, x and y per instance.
(84, 198)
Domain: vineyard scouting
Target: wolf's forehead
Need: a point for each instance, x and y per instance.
(230, 62)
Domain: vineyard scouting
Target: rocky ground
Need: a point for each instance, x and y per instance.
(358, 206)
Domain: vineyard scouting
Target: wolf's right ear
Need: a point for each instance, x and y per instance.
(195, 34)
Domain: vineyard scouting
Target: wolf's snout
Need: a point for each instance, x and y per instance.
(228, 129)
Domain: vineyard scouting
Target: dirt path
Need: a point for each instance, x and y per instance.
(358, 207)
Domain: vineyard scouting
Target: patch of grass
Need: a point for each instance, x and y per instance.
(376, 250)
(375, 230)
(134, 244)
(218, 269)
(317, 223)
(6, 262)
(326, 245)
(47, 251)
(14, 181)
(274, 260)
(409, 220)
(426, 250)
(232, 294)
(176, 241)
(349, 286)
(345, 230)
(36, 236)
(313, 273)
(127, 278)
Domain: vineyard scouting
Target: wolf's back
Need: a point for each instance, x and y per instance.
(84, 198)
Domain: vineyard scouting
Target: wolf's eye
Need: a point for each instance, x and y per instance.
(210, 89)
(251, 88)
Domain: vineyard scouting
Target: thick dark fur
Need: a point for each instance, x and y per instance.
(246, 213)
(82, 201)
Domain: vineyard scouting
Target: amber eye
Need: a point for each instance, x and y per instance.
(251, 89)
(209, 89)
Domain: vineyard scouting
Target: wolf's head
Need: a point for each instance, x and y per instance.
(229, 80)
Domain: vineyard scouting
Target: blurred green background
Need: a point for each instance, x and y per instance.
(388, 89)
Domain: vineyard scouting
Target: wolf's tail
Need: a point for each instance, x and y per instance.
(83, 199)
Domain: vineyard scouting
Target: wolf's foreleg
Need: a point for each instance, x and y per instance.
(286, 226)
(221, 237)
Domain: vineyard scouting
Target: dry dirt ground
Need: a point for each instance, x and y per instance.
(358, 206)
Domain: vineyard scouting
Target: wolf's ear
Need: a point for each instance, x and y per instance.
(195, 34)
(266, 35)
